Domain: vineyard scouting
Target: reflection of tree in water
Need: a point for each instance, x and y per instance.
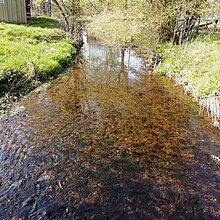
(123, 75)
(132, 148)
(139, 113)
(131, 154)
(107, 67)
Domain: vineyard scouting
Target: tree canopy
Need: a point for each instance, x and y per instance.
(125, 21)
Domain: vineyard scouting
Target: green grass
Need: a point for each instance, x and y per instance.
(197, 63)
(43, 22)
(47, 48)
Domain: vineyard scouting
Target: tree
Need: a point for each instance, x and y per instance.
(44, 6)
(71, 11)
(188, 14)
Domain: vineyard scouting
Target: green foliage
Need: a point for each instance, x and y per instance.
(144, 22)
(43, 22)
(114, 27)
(47, 48)
(127, 28)
(70, 12)
(196, 63)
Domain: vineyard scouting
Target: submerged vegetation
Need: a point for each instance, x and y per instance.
(168, 28)
(173, 31)
(99, 144)
(109, 140)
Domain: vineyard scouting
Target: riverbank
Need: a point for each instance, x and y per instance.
(196, 67)
(32, 54)
(103, 143)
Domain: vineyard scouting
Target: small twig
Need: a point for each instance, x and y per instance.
(60, 184)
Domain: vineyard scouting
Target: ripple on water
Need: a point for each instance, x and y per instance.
(107, 142)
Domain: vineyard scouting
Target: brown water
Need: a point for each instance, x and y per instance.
(106, 141)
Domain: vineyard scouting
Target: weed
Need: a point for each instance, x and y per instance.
(196, 63)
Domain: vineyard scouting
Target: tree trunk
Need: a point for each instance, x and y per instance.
(62, 13)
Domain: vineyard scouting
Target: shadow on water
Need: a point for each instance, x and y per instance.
(107, 142)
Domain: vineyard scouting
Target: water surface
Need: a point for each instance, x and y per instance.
(108, 141)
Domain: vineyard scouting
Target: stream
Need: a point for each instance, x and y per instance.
(108, 141)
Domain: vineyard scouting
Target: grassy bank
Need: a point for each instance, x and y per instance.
(46, 47)
(196, 66)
